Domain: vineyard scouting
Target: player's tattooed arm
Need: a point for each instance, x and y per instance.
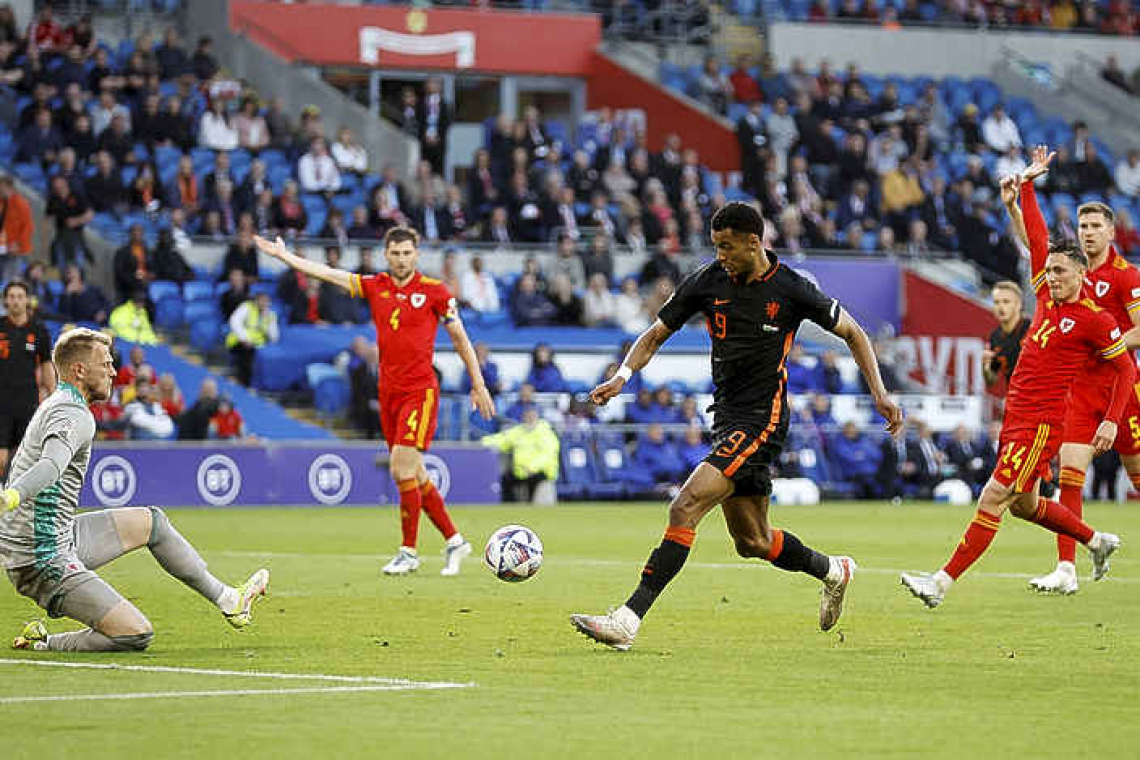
(276, 249)
(643, 349)
(864, 353)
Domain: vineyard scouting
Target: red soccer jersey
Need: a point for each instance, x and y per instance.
(406, 319)
(1062, 340)
(1116, 288)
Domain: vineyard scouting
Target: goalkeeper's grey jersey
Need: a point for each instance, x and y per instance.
(40, 529)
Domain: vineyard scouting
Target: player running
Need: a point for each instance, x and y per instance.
(1068, 331)
(51, 554)
(1114, 285)
(407, 308)
(754, 305)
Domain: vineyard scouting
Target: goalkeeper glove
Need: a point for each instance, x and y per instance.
(9, 499)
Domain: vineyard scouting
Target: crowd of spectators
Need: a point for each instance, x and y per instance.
(834, 168)
(1116, 17)
(147, 406)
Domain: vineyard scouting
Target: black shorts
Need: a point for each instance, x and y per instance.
(744, 451)
(13, 424)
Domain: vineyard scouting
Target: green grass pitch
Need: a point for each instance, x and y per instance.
(730, 664)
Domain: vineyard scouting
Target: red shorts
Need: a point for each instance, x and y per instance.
(1086, 409)
(1024, 453)
(408, 417)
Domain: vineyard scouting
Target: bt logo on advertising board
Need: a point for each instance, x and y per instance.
(219, 480)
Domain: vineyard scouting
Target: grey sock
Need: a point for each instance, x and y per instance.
(89, 640)
(180, 559)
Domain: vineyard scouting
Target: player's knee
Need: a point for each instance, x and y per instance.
(751, 546)
(685, 510)
(159, 522)
(133, 642)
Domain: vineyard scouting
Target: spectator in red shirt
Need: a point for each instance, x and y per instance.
(47, 35)
(170, 395)
(227, 424)
(135, 367)
(1127, 238)
(744, 87)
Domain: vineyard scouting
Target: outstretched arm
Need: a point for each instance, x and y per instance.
(860, 345)
(639, 355)
(1010, 192)
(1035, 229)
(480, 397)
(277, 250)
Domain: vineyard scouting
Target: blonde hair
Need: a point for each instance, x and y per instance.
(1009, 285)
(75, 345)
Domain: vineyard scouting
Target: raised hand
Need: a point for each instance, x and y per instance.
(1010, 190)
(1041, 157)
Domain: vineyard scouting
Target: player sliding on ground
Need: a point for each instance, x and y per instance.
(407, 308)
(1114, 285)
(754, 305)
(1067, 333)
(51, 554)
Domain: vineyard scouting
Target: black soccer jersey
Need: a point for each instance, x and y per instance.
(752, 325)
(22, 349)
(1007, 347)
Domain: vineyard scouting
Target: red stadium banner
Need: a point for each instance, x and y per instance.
(611, 84)
(395, 37)
(942, 338)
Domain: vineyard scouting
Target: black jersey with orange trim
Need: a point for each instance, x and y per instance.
(23, 348)
(1007, 347)
(752, 325)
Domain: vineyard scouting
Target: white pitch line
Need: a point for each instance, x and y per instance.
(387, 682)
(222, 693)
(592, 562)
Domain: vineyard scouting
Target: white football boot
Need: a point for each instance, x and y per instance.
(403, 563)
(1106, 544)
(834, 589)
(1063, 580)
(248, 593)
(929, 587)
(615, 629)
(453, 556)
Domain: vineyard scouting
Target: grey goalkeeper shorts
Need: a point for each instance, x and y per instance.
(66, 585)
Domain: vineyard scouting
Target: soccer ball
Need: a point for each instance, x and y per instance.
(514, 553)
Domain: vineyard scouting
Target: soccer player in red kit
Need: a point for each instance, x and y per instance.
(1114, 285)
(407, 308)
(1068, 332)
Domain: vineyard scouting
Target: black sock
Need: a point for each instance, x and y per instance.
(663, 565)
(797, 558)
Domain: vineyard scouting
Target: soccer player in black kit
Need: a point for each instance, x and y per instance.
(25, 360)
(754, 305)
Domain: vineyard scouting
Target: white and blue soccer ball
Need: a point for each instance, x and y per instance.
(514, 553)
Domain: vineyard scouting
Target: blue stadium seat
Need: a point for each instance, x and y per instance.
(199, 290)
(168, 311)
(577, 472)
(160, 289)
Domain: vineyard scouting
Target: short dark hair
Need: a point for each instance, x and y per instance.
(399, 235)
(738, 217)
(16, 284)
(1096, 207)
(1069, 248)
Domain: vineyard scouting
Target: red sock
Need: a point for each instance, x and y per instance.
(436, 511)
(974, 543)
(409, 511)
(1058, 519)
(1072, 482)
